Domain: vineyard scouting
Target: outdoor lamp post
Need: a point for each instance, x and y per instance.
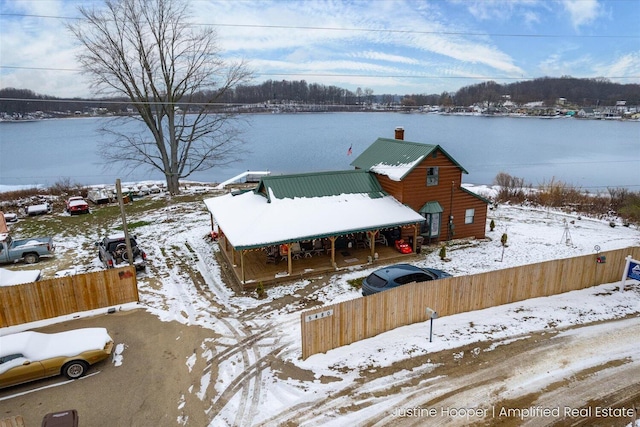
(431, 314)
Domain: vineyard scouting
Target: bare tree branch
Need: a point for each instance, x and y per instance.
(148, 52)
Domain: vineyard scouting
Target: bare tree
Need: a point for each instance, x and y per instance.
(172, 72)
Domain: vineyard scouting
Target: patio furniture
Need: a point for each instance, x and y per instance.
(381, 238)
(296, 251)
(318, 247)
(273, 255)
(284, 252)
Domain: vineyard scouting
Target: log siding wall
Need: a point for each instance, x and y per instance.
(414, 192)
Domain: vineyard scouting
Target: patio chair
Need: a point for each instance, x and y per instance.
(381, 238)
(296, 251)
(318, 247)
(273, 255)
(284, 252)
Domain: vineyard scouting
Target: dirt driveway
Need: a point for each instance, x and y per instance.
(154, 383)
(143, 391)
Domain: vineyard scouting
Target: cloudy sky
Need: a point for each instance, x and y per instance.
(389, 46)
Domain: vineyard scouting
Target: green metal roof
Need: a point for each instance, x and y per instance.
(320, 184)
(394, 152)
(431, 208)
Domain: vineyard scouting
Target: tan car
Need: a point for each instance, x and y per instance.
(29, 356)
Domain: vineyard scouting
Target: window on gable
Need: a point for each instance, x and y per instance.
(468, 216)
(432, 176)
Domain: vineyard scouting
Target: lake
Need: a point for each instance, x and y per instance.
(590, 154)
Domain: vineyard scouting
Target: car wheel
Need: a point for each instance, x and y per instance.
(74, 369)
(31, 258)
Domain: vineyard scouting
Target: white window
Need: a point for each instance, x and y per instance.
(468, 216)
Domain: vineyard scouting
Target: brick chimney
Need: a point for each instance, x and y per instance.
(400, 133)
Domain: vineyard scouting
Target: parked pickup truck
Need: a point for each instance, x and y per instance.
(112, 251)
(29, 250)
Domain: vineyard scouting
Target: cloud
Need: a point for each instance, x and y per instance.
(500, 10)
(381, 56)
(394, 41)
(624, 65)
(582, 12)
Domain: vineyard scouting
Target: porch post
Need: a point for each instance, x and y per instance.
(415, 238)
(332, 239)
(289, 261)
(242, 267)
(372, 241)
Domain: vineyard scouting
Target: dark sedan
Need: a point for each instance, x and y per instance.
(398, 275)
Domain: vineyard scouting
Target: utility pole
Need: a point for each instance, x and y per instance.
(124, 222)
(450, 223)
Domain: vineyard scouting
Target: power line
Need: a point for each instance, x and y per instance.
(372, 30)
(377, 76)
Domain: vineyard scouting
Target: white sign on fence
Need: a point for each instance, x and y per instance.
(320, 315)
(631, 271)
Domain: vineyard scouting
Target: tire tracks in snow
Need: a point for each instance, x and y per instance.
(247, 340)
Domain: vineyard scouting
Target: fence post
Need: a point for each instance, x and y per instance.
(624, 274)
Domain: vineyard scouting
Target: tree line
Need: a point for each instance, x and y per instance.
(598, 92)
(578, 92)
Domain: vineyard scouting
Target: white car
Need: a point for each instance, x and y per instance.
(10, 217)
(29, 356)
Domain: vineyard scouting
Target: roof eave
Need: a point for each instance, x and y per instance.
(324, 235)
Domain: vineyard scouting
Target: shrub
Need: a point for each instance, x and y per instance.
(356, 283)
(511, 188)
(443, 252)
(260, 290)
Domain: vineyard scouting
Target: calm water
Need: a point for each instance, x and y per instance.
(587, 154)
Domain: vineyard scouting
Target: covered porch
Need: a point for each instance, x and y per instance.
(286, 262)
(290, 226)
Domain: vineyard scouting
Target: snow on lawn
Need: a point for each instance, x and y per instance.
(534, 235)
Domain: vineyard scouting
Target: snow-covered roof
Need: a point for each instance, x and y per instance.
(397, 171)
(10, 277)
(396, 158)
(249, 220)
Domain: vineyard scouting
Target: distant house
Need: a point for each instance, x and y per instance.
(428, 180)
(399, 190)
(586, 112)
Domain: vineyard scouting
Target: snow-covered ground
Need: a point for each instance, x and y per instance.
(534, 235)
(277, 396)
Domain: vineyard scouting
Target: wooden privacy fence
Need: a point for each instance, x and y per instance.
(50, 298)
(340, 324)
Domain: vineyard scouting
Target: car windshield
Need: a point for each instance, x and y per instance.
(9, 357)
(376, 281)
(413, 277)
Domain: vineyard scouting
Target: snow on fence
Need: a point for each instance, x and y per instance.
(46, 299)
(333, 326)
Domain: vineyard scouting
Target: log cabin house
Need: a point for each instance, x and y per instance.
(306, 224)
(428, 180)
